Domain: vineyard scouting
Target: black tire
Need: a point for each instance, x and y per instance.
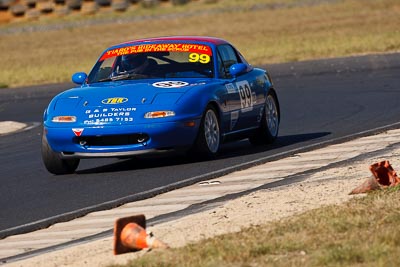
(209, 136)
(53, 161)
(120, 5)
(18, 10)
(104, 3)
(74, 4)
(269, 127)
(150, 3)
(179, 2)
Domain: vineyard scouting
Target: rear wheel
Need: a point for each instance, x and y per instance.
(209, 136)
(53, 161)
(269, 128)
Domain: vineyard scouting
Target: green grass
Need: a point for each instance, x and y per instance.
(362, 232)
(263, 35)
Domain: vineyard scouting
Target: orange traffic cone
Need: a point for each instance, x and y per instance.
(384, 173)
(383, 176)
(130, 235)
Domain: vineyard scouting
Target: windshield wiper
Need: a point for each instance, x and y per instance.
(115, 78)
(124, 76)
(120, 77)
(105, 80)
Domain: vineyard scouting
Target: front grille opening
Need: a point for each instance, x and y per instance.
(112, 140)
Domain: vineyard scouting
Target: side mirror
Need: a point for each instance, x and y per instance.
(237, 69)
(79, 77)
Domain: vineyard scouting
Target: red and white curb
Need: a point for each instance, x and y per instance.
(236, 182)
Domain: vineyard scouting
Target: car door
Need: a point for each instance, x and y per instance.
(241, 93)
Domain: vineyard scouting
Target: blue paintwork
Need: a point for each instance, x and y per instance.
(79, 77)
(237, 69)
(118, 107)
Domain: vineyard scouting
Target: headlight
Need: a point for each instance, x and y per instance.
(64, 119)
(159, 114)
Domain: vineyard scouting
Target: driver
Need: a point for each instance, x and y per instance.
(134, 63)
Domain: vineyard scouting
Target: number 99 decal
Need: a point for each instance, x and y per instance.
(202, 58)
(246, 99)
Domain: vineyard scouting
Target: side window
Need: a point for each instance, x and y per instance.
(105, 69)
(102, 70)
(221, 68)
(227, 57)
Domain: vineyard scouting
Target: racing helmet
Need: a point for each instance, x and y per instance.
(132, 61)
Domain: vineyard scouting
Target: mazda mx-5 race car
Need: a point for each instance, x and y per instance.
(160, 94)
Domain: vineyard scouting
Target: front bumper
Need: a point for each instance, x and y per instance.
(83, 155)
(159, 137)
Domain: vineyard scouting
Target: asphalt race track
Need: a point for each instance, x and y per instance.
(321, 101)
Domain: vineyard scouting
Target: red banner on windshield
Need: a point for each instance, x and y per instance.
(192, 48)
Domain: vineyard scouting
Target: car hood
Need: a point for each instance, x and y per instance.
(121, 102)
(133, 92)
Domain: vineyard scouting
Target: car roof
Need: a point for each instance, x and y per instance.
(204, 39)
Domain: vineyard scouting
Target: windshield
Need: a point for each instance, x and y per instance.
(154, 61)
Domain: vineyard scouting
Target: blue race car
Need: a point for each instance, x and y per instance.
(156, 95)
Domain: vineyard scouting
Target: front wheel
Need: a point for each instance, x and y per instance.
(53, 161)
(269, 127)
(209, 137)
